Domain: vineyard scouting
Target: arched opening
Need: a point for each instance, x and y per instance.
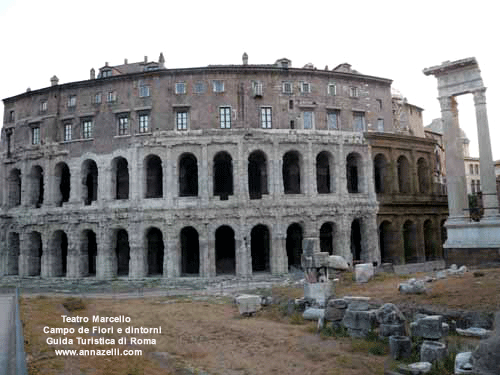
(62, 183)
(190, 251)
(291, 172)
(326, 236)
(37, 190)
(225, 254)
(257, 175)
(410, 241)
(89, 250)
(423, 176)
(356, 240)
(14, 188)
(13, 251)
(90, 175)
(59, 252)
(188, 176)
(122, 251)
(154, 177)
(353, 173)
(385, 237)
(120, 180)
(260, 248)
(154, 239)
(429, 244)
(35, 254)
(223, 175)
(403, 175)
(294, 238)
(324, 173)
(380, 173)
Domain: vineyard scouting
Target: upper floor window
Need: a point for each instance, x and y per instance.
(181, 120)
(225, 117)
(87, 128)
(199, 87)
(180, 88)
(266, 117)
(257, 88)
(477, 169)
(123, 124)
(379, 104)
(43, 106)
(97, 98)
(333, 120)
(332, 89)
(72, 101)
(106, 73)
(354, 92)
(305, 87)
(218, 86)
(35, 135)
(287, 87)
(67, 132)
(144, 91)
(308, 120)
(12, 116)
(111, 97)
(143, 122)
(471, 169)
(380, 125)
(359, 121)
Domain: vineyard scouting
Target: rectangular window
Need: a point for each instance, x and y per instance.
(359, 121)
(199, 88)
(287, 87)
(123, 125)
(218, 86)
(472, 187)
(12, 116)
(43, 106)
(143, 122)
(180, 88)
(144, 91)
(257, 88)
(35, 135)
(354, 92)
(308, 120)
(379, 104)
(477, 169)
(111, 97)
(332, 89)
(305, 87)
(181, 120)
(333, 120)
(97, 98)
(72, 101)
(67, 132)
(225, 117)
(471, 169)
(87, 129)
(380, 125)
(106, 73)
(266, 119)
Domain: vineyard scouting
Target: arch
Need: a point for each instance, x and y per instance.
(35, 252)
(225, 250)
(403, 174)
(14, 195)
(291, 172)
(386, 240)
(120, 178)
(423, 176)
(294, 237)
(37, 187)
(190, 251)
(62, 183)
(223, 175)
(89, 181)
(410, 241)
(380, 174)
(324, 173)
(122, 252)
(257, 174)
(154, 177)
(356, 249)
(260, 248)
(89, 251)
(155, 246)
(429, 243)
(188, 175)
(326, 237)
(354, 172)
(13, 252)
(58, 251)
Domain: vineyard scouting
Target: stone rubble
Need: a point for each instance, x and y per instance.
(463, 363)
(413, 286)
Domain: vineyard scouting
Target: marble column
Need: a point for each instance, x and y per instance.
(487, 168)
(455, 168)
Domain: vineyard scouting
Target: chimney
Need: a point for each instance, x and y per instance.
(92, 73)
(126, 61)
(54, 81)
(145, 59)
(161, 59)
(245, 59)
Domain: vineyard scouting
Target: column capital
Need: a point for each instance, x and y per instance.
(480, 96)
(446, 103)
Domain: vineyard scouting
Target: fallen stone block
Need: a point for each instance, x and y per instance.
(363, 272)
(417, 368)
(430, 327)
(486, 358)
(432, 351)
(474, 332)
(441, 274)
(318, 292)
(387, 330)
(399, 347)
(314, 314)
(337, 263)
(389, 314)
(359, 320)
(463, 364)
(248, 304)
(412, 287)
(335, 310)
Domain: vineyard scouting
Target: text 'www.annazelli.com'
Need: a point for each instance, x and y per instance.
(97, 352)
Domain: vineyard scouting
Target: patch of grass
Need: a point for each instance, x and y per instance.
(74, 304)
(296, 318)
(334, 331)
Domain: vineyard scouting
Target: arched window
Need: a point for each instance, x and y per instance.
(403, 175)
(155, 246)
(188, 176)
(353, 173)
(58, 254)
(257, 175)
(223, 175)
(380, 173)
(37, 186)
(89, 251)
(326, 236)
(356, 240)
(14, 188)
(294, 236)
(120, 178)
(225, 250)
(423, 176)
(291, 172)
(410, 241)
(260, 248)
(324, 173)
(429, 243)
(122, 251)
(62, 183)
(89, 181)
(190, 251)
(154, 177)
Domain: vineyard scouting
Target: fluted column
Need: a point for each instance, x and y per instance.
(487, 168)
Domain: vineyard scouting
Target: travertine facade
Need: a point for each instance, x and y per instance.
(145, 170)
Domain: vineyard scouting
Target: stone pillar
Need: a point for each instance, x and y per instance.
(169, 178)
(279, 264)
(344, 236)
(341, 171)
(487, 168)
(393, 188)
(370, 251)
(138, 268)
(171, 264)
(311, 188)
(242, 253)
(76, 261)
(274, 173)
(26, 261)
(205, 265)
(204, 176)
(106, 257)
(420, 247)
(455, 168)
(46, 266)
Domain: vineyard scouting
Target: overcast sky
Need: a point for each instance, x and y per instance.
(389, 39)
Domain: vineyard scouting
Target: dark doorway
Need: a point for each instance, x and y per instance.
(223, 175)
(60, 253)
(326, 233)
(188, 176)
(154, 177)
(122, 251)
(385, 233)
(323, 172)
(63, 183)
(291, 172)
(257, 175)
(90, 176)
(121, 178)
(294, 245)
(380, 171)
(356, 240)
(190, 251)
(410, 241)
(89, 248)
(155, 246)
(225, 262)
(352, 173)
(430, 247)
(35, 264)
(259, 243)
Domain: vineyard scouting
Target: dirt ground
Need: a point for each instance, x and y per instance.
(206, 335)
